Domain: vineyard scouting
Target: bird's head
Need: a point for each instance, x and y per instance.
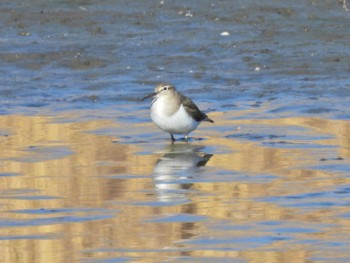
(161, 89)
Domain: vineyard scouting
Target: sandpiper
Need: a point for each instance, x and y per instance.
(173, 112)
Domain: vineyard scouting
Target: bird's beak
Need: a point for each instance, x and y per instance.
(148, 96)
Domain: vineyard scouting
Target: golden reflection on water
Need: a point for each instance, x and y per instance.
(68, 193)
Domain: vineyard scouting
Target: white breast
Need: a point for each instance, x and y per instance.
(178, 123)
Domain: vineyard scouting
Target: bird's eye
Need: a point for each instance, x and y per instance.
(165, 88)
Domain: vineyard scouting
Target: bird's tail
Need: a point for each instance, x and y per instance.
(208, 119)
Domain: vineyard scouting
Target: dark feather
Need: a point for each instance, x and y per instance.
(193, 110)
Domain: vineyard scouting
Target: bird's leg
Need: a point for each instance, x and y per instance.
(186, 138)
(172, 137)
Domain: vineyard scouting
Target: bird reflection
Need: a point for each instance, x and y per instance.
(174, 171)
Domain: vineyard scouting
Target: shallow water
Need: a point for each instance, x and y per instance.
(264, 192)
(86, 177)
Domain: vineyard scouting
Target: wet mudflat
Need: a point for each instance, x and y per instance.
(86, 177)
(269, 191)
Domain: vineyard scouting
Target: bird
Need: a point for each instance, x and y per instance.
(173, 112)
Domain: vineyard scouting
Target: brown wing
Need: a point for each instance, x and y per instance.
(192, 109)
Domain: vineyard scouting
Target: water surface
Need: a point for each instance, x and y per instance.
(86, 177)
